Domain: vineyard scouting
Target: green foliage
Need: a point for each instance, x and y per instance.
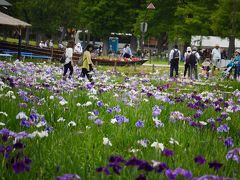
(222, 18)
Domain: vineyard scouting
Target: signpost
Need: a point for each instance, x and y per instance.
(143, 28)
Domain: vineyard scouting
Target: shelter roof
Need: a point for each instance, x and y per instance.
(11, 21)
(4, 3)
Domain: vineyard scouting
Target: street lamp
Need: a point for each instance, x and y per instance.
(143, 27)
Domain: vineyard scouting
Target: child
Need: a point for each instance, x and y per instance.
(206, 68)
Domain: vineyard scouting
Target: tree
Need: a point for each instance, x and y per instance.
(101, 17)
(224, 21)
(193, 19)
(46, 16)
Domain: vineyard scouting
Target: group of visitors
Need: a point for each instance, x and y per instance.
(46, 44)
(87, 65)
(192, 58)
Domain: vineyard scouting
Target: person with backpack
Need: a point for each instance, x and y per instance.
(68, 64)
(193, 61)
(186, 61)
(174, 58)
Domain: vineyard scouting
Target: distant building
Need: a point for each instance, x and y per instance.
(211, 41)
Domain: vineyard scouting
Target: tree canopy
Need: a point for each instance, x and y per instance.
(175, 20)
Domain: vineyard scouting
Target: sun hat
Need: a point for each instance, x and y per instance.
(206, 63)
(189, 48)
(238, 51)
(194, 48)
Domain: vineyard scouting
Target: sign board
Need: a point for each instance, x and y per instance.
(143, 27)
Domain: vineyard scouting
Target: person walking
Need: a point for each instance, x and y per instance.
(186, 62)
(87, 62)
(193, 61)
(174, 58)
(68, 62)
(216, 57)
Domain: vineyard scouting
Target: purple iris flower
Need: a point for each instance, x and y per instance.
(145, 166)
(117, 109)
(223, 128)
(215, 165)
(25, 123)
(234, 155)
(2, 149)
(200, 160)
(141, 177)
(34, 117)
(99, 103)
(170, 174)
(161, 167)
(69, 176)
(109, 110)
(167, 152)
(18, 145)
(158, 124)
(5, 134)
(210, 120)
(121, 119)
(133, 162)
(228, 142)
(212, 177)
(139, 124)
(156, 111)
(116, 159)
(19, 167)
(116, 167)
(95, 112)
(224, 114)
(99, 122)
(104, 170)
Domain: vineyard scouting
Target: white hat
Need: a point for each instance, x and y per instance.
(189, 48)
(194, 48)
(206, 63)
(238, 51)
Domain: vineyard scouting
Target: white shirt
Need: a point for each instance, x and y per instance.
(78, 48)
(196, 54)
(216, 54)
(69, 55)
(127, 50)
(171, 54)
(41, 45)
(50, 44)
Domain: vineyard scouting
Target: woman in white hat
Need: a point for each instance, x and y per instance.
(206, 67)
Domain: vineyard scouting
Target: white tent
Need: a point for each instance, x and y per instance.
(211, 41)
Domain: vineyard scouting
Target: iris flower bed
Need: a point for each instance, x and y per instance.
(144, 126)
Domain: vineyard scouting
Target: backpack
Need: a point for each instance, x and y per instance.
(63, 58)
(187, 59)
(192, 59)
(175, 55)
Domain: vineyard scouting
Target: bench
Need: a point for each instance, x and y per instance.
(6, 55)
(36, 56)
(15, 52)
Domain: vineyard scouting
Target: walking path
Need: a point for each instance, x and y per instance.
(159, 65)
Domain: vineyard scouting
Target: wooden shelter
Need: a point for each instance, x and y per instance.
(11, 21)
